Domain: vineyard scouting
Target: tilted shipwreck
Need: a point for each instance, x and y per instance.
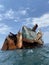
(28, 38)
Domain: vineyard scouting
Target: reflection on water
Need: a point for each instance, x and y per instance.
(37, 56)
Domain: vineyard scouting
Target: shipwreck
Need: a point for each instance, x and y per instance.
(28, 38)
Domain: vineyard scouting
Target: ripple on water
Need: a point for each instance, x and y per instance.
(37, 56)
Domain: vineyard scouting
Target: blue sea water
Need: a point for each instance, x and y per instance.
(35, 56)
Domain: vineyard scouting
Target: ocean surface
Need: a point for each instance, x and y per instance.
(35, 56)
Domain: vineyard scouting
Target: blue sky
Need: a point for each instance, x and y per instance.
(16, 13)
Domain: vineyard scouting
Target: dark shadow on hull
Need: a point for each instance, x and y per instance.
(31, 45)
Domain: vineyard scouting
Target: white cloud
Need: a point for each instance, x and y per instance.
(1, 7)
(4, 29)
(46, 37)
(13, 15)
(48, 2)
(18, 16)
(23, 12)
(9, 14)
(28, 19)
(1, 17)
(42, 21)
(46, 33)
